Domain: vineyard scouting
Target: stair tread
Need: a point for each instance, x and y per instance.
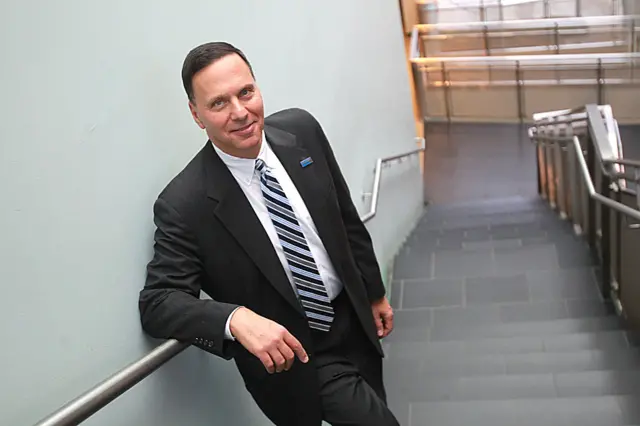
(514, 364)
(560, 326)
(583, 411)
(609, 340)
(498, 387)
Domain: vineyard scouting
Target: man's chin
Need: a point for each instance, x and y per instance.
(251, 141)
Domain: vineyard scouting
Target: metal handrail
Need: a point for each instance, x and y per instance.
(561, 59)
(96, 398)
(602, 127)
(566, 47)
(615, 205)
(482, 6)
(90, 402)
(560, 113)
(377, 177)
(529, 24)
(524, 32)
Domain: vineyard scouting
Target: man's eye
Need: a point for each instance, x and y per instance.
(245, 92)
(218, 103)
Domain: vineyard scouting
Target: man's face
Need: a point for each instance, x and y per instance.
(228, 105)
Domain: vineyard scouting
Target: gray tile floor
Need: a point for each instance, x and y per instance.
(477, 162)
(499, 320)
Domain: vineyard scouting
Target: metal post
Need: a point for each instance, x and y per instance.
(546, 189)
(617, 271)
(591, 209)
(519, 93)
(483, 11)
(538, 168)
(445, 86)
(577, 212)
(605, 242)
(500, 10)
(578, 7)
(600, 83)
(487, 48)
(556, 43)
(485, 37)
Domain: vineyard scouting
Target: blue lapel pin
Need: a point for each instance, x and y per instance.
(306, 162)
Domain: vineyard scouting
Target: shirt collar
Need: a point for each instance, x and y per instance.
(243, 169)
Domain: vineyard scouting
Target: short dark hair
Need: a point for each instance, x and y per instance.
(204, 55)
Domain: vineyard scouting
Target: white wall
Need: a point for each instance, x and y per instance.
(94, 124)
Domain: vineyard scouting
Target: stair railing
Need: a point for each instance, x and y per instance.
(488, 10)
(495, 38)
(583, 174)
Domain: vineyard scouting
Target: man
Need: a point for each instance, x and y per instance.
(262, 221)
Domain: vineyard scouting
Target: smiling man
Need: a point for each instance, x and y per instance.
(262, 221)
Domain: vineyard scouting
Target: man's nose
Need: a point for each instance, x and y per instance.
(238, 111)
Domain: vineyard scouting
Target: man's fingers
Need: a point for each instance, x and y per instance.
(388, 322)
(379, 325)
(278, 360)
(266, 360)
(288, 355)
(296, 347)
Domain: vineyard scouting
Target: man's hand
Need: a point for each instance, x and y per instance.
(267, 340)
(383, 316)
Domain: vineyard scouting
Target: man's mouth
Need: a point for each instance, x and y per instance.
(244, 128)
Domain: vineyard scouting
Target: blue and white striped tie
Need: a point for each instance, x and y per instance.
(311, 290)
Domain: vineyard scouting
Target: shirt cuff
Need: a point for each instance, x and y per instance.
(227, 328)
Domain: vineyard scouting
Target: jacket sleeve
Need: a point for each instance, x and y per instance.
(169, 303)
(358, 235)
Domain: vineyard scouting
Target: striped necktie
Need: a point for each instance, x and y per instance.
(311, 290)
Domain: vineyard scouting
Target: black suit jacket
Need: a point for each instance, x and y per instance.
(208, 238)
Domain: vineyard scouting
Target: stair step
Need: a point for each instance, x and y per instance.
(490, 207)
(603, 340)
(497, 387)
(417, 369)
(507, 313)
(489, 237)
(588, 411)
(424, 260)
(535, 328)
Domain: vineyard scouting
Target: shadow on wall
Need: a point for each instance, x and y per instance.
(220, 395)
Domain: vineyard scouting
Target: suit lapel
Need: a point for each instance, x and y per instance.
(237, 215)
(309, 183)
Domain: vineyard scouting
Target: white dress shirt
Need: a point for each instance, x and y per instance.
(243, 170)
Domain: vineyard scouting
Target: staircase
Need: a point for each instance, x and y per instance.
(500, 322)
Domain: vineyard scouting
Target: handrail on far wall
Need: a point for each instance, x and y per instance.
(91, 401)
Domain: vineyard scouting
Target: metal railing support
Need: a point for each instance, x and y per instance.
(605, 240)
(519, 92)
(446, 89)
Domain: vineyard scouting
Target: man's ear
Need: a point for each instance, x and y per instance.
(194, 114)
